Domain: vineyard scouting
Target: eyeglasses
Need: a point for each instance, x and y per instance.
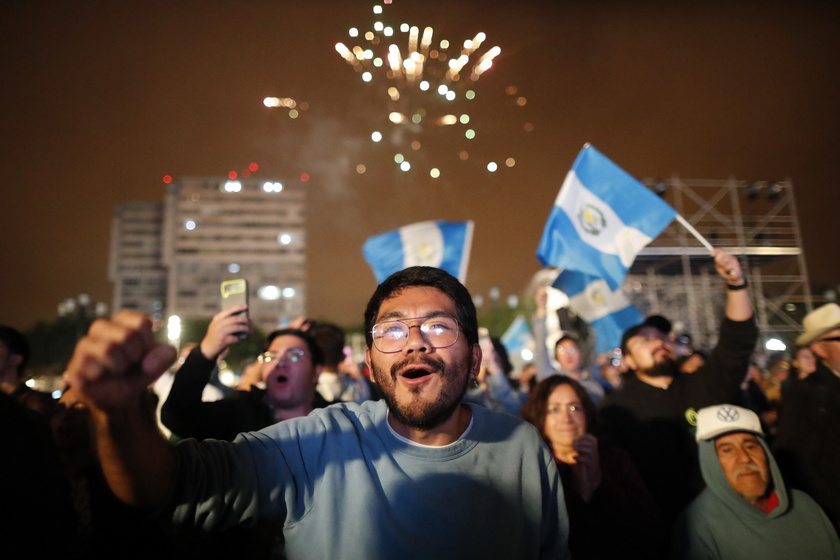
(567, 350)
(832, 339)
(573, 408)
(391, 336)
(292, 355)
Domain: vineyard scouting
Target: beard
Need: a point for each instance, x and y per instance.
(666, 368)
(419, 414)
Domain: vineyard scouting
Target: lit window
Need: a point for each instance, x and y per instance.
(269, 293)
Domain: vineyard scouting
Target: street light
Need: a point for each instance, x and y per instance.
(775, 345)
(173, 330)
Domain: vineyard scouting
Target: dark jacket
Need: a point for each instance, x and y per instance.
(621, 520)
(188, 417)
(656, 426)
(808, 443)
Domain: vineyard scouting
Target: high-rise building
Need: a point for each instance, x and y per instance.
(135, 265)
(220, 229)
(208, 231)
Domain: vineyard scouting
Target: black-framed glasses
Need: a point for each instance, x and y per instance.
(831, 339)
(439, 331)
(292, 355)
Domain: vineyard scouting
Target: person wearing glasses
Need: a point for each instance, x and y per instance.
(652, 415)
(808, 442)
(567, 353)
(611, 512)
(418, 474)
(288, 372)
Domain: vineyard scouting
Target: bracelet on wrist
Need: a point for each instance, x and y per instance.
(735, 288)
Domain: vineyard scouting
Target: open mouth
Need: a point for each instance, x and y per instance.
(282, 379)
(415, 373)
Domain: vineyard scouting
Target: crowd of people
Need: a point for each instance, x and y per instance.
(434, 446)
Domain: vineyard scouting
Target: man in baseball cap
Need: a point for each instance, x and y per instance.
(746, 511)
(808, 444)
(651, 415)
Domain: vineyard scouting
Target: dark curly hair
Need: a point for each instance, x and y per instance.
(536, 407)
(314, 350)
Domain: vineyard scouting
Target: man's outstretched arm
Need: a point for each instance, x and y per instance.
(738, 304)
(110, 371)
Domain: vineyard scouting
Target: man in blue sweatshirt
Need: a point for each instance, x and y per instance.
(419, 474)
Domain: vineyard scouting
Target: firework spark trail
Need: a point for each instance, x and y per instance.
(425, 81)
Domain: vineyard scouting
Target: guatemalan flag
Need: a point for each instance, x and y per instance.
(607, 311)
(601, 219)
(440, 244)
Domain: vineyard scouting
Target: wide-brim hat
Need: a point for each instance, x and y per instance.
(720, 419)
(818, 322)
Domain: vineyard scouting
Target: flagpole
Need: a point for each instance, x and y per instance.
(694, 232)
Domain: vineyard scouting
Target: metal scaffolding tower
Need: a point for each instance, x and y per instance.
(754, 220)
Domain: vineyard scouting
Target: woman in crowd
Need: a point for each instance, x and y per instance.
(611, 512)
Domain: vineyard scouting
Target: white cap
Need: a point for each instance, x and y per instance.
(713, 421)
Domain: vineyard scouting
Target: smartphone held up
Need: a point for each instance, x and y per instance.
(235, 292)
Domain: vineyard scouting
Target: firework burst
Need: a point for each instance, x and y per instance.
(428, 85)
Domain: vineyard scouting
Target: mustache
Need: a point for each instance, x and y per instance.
(425, 360)
(746, 469)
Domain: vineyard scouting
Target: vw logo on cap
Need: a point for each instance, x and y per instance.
(728, 414)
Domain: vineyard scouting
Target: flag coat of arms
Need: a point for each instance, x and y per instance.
(607, 311)
(444, 245)
(601, 219)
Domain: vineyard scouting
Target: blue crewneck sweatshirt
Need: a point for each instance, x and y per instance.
(339, 484)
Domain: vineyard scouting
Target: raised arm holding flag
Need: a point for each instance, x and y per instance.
(602, 218)
(607, 311)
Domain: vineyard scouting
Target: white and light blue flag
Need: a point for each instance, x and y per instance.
(607, 311)
(444, 245)
(518, 337)
(601, 219)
